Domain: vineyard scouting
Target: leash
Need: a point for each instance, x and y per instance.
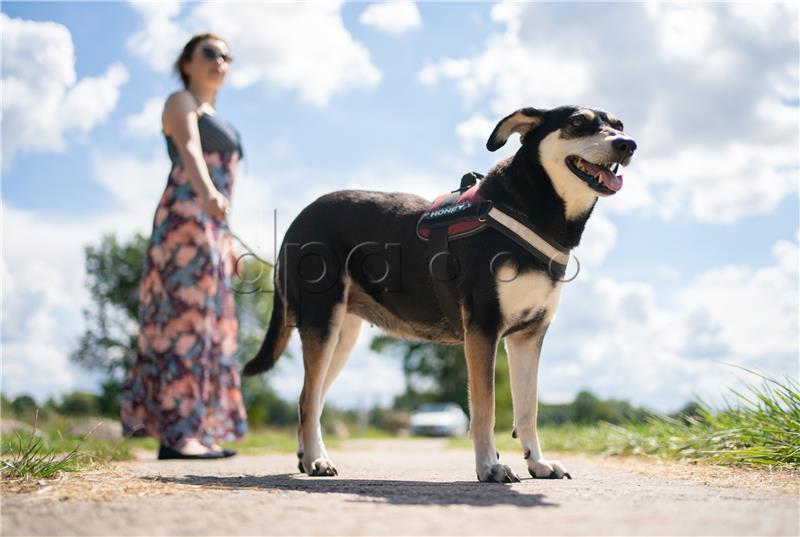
(250, 251)
(244, 244)
(246, 247)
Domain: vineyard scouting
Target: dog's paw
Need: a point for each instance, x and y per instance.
(497, 473)
(543, 469)
(322, 468)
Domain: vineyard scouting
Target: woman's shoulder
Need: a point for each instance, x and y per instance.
(177, 106)
(180, 100)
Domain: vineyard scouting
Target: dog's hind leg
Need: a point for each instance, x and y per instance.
(348, 334)
(480, 349)
(524, 349)
(319, 344)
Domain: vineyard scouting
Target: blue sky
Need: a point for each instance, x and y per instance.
(694, 263)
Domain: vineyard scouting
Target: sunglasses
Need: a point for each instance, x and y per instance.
(213, 54)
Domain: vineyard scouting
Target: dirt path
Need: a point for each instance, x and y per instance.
(399, 488)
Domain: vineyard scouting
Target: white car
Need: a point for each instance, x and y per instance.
(439, 419)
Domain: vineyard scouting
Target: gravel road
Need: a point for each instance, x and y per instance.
(405, 487)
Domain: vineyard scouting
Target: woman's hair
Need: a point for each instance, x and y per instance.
(188, 50)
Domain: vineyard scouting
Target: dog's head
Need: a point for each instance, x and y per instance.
(580, 149)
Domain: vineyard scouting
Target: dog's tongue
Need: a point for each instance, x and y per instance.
(605, 176)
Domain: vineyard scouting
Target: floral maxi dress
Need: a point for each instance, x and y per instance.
(185, 382)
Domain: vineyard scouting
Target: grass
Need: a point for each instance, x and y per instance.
(45, 452)
(31, 459)
(260, 440)
(568, 437)
(90, 451)
(759, 427)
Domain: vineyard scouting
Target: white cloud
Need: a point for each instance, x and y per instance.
(629, 346)
(725, 293)
(474, 132)
(299, 47)
(42, 305)
(597, 241)
(444, 68)
(394, 17)
(511, 74)
(42, 97)
(134, 183)
(161, 39)
(683, 29)
(712, 143)
(721, 184)
(146, 123)
(43, 274)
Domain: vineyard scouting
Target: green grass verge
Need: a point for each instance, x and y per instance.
(760, 426)
(260, 440)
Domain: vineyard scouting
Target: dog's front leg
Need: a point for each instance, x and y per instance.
(480, 349)
(524, 349)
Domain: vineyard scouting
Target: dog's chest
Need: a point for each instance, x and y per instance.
(524, 296)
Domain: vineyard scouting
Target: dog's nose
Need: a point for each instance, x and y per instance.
(624, 145)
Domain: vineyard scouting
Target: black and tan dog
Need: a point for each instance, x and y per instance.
(355, 255)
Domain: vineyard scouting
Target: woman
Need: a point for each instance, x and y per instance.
(184, 387)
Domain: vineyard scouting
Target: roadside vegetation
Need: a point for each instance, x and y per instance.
(758, 427)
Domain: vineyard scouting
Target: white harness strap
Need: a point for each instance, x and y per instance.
(527, 234)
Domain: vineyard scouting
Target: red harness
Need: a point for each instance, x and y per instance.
(464, 213)
(465, 221)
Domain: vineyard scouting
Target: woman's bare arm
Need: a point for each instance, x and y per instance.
(180, 123)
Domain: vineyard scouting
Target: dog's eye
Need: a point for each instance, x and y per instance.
(578, 122)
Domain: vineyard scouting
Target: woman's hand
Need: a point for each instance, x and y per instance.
(216, 205)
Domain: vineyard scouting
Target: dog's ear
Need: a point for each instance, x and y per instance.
(522, 121)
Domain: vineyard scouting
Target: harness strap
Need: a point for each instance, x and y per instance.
(556, 258)
(444, 269)
(463, 213)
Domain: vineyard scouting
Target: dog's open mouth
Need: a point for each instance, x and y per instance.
(601, 177)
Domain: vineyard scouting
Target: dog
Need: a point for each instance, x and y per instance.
(340, 245)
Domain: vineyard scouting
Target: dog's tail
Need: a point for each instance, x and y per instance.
(275, 341)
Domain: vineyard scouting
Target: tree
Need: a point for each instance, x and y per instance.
(79, 404)
(23, 405)
(109, 342)
(438, 373)
(113, 271)
(265, 407)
